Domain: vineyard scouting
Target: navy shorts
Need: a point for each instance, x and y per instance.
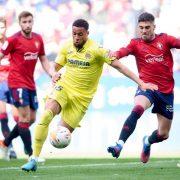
(4, 92)
(22, 97)
(163, 103)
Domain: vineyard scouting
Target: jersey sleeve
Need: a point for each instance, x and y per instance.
(103, 55)
(41, 50)
(61, 57)
(173, 42)
(8, 45)
(125, 51)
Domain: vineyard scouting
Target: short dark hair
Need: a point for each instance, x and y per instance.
(146, 17)
(24, 14)
(81, 23)
(3, 20)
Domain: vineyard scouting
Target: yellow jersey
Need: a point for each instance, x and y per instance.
(83, 68)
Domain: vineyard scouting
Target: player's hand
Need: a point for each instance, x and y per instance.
(56, 77)
(112, 54)
(146, 86)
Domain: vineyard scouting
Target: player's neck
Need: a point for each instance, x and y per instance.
(153, 37)
(27, 35)
(80, 47)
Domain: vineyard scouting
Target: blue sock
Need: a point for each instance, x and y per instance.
(155, 137)
(12, 135)
(25, 135)
(130, 123)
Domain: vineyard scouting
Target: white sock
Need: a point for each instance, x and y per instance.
(147, 141)
(34, 157)
(120, 142)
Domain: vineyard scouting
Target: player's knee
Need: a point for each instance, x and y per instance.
(53, 105)
(31, 121)
(138, 109)
(24, 117)
(46, 118)
(163, 134)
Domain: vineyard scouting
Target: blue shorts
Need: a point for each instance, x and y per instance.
(24, 97)
(163, 103)
(4, 92)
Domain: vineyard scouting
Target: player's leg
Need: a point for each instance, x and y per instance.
(33, 104)
(4, 119)
(142, 101)
(4, 128)
(3, 115)
(15, 113)
(20, 99)
(163, 107)
(56, 101)
(52, 108)
(162, 133)
(12, 153)
(22, 129)
(159, 135)
(4, 98)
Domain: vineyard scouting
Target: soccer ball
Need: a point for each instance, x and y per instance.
(61, 137)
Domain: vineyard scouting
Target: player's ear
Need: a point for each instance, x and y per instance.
(32, 21)
(87, 32)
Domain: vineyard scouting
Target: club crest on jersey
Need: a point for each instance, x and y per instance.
(88, 56)
(159, 45)
(58, 88)
(70, 51)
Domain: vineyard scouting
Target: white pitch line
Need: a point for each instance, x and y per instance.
(88, 165)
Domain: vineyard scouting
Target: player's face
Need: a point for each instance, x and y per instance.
(146, 30)
(2, 30)
(26, 24)
(80, 36)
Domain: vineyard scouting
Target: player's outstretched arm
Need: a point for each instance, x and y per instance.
(127, 72)
(46, 65)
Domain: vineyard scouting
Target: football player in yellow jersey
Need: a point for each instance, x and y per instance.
(74, 90)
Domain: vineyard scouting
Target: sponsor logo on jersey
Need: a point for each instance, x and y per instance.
(150, 58)
(30, 56)
(78, 63)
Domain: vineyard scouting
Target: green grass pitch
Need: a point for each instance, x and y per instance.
(92, 169)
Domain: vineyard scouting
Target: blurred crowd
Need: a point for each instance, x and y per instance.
(112, 22)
